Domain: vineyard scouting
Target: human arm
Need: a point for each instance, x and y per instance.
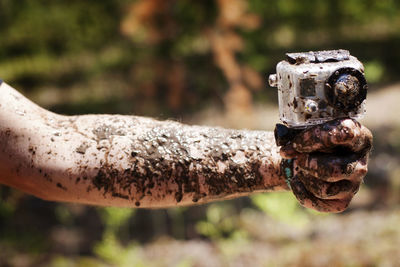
(127, 160)
(134, 161)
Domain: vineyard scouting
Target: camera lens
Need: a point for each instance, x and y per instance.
(346, 89)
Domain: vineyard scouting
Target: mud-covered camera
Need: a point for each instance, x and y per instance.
(316, 87)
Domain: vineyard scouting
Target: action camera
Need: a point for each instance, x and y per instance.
(316, 87)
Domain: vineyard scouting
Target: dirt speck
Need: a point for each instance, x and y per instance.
(59, 185)
(82, 148)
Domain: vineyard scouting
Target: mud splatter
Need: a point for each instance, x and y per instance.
(170, 159)
(59, 185)
(82, 148)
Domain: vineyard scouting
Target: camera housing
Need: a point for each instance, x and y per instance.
(316, 87)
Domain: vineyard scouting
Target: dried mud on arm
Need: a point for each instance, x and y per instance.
(130, 161)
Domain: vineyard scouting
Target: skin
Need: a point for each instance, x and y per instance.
(330, 162)
(116, 160)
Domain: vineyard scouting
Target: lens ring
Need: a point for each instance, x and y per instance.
(333, 98)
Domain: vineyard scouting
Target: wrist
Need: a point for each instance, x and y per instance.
(272, 169)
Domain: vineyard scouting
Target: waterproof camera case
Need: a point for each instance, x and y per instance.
(316, 87)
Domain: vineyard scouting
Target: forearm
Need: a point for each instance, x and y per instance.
(130, 161)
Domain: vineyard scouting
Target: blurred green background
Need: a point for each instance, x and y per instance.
(202, 62)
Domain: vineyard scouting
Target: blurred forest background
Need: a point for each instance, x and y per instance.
(203, 62)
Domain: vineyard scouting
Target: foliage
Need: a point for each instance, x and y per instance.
(283, 207)
(175, 57)
(114, 253)
(114, 218)
(109, 248)
(220, 223)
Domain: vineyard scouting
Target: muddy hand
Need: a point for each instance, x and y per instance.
(329, 163)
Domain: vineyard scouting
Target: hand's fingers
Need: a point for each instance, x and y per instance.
(343, 189)
(288, 152)
(331, 167)
(341, 132)
(310, 201)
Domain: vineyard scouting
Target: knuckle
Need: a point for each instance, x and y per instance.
(342, 208)
(346, 133)
(350, 123)
(339, 136)
(362, 170)
(344, 204)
